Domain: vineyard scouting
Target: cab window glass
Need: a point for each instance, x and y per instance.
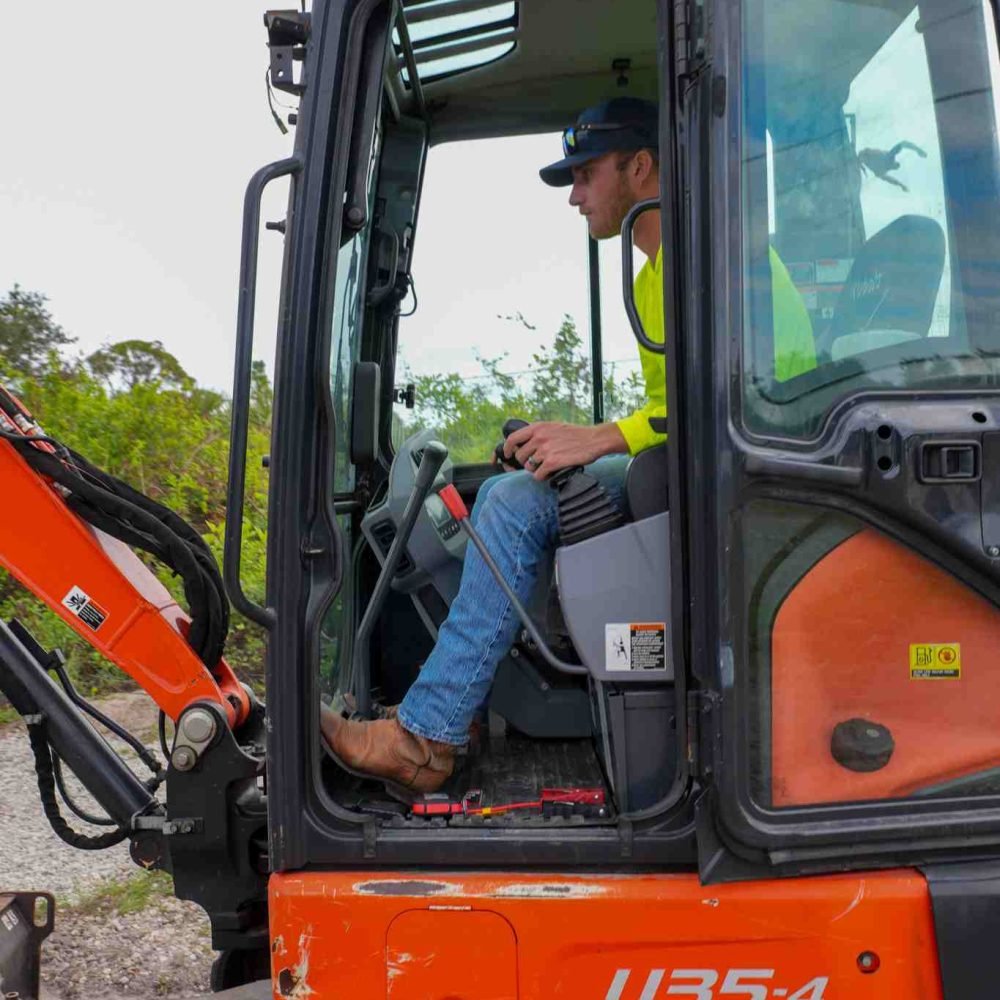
(501, 327)
(345, 347)
(907, 177)
(870, 180)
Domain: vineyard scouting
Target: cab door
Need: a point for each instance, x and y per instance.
(842, 355)
(330, 245)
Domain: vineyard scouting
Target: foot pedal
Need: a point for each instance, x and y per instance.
(497, 729)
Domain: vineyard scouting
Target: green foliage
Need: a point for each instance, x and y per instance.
(468, 413)
(29, 338)
(137, 362)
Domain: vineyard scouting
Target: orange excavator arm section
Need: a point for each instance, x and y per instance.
(101, 589)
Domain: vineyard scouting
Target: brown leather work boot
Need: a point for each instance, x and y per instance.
(382, 748)
(475, 729)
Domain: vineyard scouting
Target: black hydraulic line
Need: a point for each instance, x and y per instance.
(161, 730)
(596, 351)
(46, 789)
(55, 662)
(101, 771)
(434, 454)
(152, 784)
(115, 508)
(87, 817)
(15, 438)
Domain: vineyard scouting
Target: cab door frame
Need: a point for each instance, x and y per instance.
(306, 561)
(739, 838)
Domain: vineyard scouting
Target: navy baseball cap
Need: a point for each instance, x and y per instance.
(616, 126)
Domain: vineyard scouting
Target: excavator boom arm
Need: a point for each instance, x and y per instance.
(96, 583)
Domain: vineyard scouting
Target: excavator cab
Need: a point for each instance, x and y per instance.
(818, 569)
(746, 742)
(586, 704)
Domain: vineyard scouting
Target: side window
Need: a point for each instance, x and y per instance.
(868, 179)
(501, 327)
(871, 188)
(345, 346)
(899, 156)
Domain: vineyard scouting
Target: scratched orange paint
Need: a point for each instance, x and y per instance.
(481, 936)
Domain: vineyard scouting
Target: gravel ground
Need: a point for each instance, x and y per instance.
(162, 950)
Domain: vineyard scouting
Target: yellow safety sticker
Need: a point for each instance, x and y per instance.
(935, 661)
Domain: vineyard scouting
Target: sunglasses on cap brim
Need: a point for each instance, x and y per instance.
(575, 138)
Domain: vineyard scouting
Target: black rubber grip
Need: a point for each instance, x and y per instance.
(510, 425)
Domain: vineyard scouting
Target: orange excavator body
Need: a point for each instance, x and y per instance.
(942, 715)
(475, 936)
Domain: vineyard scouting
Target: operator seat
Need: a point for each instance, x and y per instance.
(646, 484)
(890, 292)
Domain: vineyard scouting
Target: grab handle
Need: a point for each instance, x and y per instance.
(628, 274)
(232, 551)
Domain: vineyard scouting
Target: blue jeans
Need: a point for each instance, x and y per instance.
(517, 518)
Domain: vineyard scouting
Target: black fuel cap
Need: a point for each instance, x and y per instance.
(861, 745)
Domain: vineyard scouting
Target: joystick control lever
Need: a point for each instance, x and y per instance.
(434, 454)
(458, 510)
(510, 425)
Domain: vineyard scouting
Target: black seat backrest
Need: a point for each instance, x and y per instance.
(646, 483)
(893, 283)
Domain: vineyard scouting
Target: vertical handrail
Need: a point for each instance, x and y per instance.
(628, 274)
(233, 539)
(596, 330)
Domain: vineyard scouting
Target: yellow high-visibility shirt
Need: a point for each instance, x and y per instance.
(635, 427)
(794, 346)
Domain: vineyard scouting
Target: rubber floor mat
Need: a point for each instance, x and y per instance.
(513, 769)
(517, 769)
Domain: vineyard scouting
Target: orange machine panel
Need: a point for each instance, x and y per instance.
(450, 953)
(629, 937)
(99, 587)
(875, 632)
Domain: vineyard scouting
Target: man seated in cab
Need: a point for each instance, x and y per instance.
(610, 163)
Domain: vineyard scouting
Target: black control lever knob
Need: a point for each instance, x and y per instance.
(510, 425)
(434, 454)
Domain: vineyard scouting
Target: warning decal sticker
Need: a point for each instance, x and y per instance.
(635, 646)
(84, 608)
(935, 661)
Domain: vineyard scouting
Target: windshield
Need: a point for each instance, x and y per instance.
(500, 326)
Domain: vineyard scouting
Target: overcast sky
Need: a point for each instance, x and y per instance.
(122, 183)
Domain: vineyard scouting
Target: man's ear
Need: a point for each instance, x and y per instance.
(643, 166)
